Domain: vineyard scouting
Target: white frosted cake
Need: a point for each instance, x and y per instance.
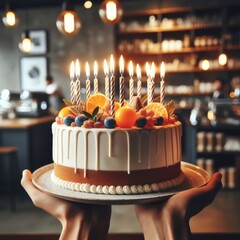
(106, 146)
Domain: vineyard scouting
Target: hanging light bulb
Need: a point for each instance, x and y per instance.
(87, 4)
(10, 18)
(111, 11)
(68, 22)
(222, 59)
(26, 43)
(205, 65)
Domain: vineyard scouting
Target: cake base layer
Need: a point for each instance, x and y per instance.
(118, 182)
(116, 178)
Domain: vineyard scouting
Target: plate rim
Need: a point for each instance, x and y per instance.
(92, 198)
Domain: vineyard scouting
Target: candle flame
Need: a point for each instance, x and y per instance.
(95, 69)
(87, 70)
(162, 70)
(138, 70)
(148, 69)
(111, 64)
(153, 70)
(72, 71)
(121, 65)
(77, 67)
(130, 69)
(105, 67)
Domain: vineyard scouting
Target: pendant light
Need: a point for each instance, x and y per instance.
(10, 18)
(68, 22)
(26, 43)
(111, 11)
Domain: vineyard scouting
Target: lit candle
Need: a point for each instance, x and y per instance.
(72, 87)
(95, 72)
(112, 87)
(152, 84)
(139, 82)
(131, 82)
(121, 81)
(78, 94)
(162, 90)
(87, 81)
(106, 72)
(148, 72)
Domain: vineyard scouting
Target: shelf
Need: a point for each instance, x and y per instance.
(183, 50)
(219, 153)
(143, 30)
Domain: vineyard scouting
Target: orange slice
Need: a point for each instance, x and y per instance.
(65, 112)
(159, 110)
(95, 100)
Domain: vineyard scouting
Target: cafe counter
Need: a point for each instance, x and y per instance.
(32, 137)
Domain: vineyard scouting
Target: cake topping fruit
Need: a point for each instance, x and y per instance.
(110, 122)
(65, 112)
(141, 122)
(68, 120)
(125, 117)
(159, 110)
(96, 100)
(80, 120)
(159, 121)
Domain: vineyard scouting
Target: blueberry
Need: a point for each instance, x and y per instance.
(68, 120)
(110, 122)
(159, 121)
(79, 120)
(141, 122)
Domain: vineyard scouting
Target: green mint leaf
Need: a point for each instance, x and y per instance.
(95, 111)
(88, 115)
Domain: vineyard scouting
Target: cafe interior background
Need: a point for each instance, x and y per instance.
(187, 35)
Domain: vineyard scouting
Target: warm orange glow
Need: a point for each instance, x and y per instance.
(130, 69)
(95, 69)
(111, 64)
(162, 70)
(77, 69)
(138, 71)
(205, 65)
(87, 70)
(121, 65)
(105, 67)
(222, 59)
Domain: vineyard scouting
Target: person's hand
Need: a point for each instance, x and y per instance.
(79, 221)
(170, 219)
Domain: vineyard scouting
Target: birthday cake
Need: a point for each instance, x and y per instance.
(109, 146)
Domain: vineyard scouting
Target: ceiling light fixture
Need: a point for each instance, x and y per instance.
(68, 22)
(26, 43)
(10, 18)
(87, 4)
(111, 11)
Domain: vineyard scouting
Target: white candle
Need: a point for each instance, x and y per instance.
(131, 81)
(95, 72)
(139, 82)
(152, 88)
(106, 72)
(148, 72)
(78, 90)
(121, 81)
(112, 87)
(72, 87)
(162, 88)
(88, 87)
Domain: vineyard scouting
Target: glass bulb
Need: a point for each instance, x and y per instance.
(10, 18)
(87, 4)
(111, 11)
(26, 44)
(68, 22)
(222, 59)
(205, 65)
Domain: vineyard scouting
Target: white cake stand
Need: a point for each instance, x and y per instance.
(194, 177)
